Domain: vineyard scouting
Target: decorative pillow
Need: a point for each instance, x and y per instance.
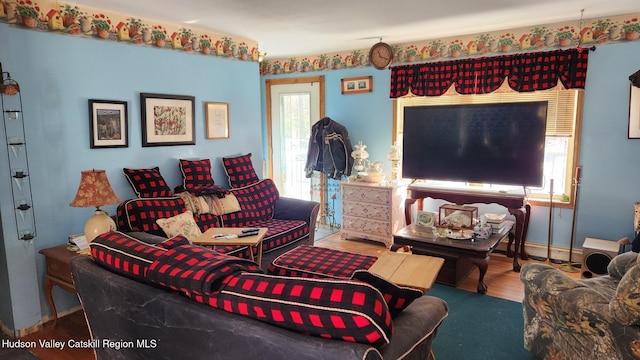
(196, 173)
(226, 205)
(396, 297)
(147, 183)
(124, 254)
(620, 264)
(182, 224)
(625, 304)
(240, 171)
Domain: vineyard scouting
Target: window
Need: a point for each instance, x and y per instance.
(562, 134)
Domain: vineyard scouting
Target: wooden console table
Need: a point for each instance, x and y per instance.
(516, 204)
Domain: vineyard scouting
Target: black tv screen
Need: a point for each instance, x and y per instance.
(485, 143)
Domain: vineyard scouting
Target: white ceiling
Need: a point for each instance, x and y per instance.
(288, 27)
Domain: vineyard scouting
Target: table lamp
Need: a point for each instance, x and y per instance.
(395, 155)
(360, 156)
(95, 190)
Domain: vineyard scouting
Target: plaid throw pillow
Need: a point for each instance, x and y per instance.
(124, 254)
(147, 183)
(196, 173)
(240, 171)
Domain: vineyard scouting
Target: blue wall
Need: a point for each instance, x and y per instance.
(57, 75)
(608, 188)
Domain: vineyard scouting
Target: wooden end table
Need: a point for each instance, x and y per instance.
(58, 263)
(208, 239)
(416, 271)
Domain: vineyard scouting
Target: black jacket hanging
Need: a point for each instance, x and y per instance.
(329, 150)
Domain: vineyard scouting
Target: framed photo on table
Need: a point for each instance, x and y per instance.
(217, 115)
(108, 124)
(167, 119)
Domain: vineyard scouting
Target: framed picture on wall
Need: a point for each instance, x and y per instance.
(167, 119)
(108, 124)
(217, 115)
(356, 85)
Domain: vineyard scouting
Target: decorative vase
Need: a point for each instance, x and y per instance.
(85, 24)
(564, 42)
(206, 50)
(159, 43)
(29, 22)
(102, 33)
(631, 35)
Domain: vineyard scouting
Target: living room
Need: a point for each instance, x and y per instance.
(58, 74)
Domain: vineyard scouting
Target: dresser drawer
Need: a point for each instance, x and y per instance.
(59, 269)
(366, 226)
(366, 210)
(366, 194)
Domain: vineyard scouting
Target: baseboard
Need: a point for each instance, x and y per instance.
(14, 334)
(540, 251)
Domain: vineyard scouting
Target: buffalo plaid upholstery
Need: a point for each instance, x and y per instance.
(141, 214)
(124, 255)
(175, 241)
(318, 262)
(195, 173)
(147, 183)
(240, 171)
(196, 269)
(256, 201)
(334, 309)
(396, 297)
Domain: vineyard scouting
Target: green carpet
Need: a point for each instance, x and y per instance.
(479, 327)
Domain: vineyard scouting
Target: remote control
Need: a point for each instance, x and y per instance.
(248, 234)
(250, 230)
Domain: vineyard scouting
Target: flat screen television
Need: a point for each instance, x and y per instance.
(499, 143)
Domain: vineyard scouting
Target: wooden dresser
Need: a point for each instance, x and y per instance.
(371, 211)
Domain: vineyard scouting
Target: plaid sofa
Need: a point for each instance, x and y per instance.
(291, 222)
(143, 294)
(596, 318)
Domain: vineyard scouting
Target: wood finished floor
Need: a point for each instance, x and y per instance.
(501, 280)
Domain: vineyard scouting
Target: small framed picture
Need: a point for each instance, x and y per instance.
(426, 218)
(357, 85)
(217, 114)
(167, 119)
(108, 124)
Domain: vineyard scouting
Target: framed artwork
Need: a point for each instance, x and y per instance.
(108, 124)
(217, 115)
(634, 112)
(356, 85)
(426, 218)
(167, 119)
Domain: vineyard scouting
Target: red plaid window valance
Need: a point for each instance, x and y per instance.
(525, 72)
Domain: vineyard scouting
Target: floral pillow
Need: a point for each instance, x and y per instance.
(182, 224)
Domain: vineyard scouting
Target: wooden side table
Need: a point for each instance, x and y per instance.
(58, 262)
(208, 239)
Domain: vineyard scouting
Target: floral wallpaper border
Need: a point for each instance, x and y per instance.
(560, 35)
(54, 16)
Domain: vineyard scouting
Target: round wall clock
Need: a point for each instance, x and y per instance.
(381, 55)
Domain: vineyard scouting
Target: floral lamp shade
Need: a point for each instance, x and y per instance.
(95, 190)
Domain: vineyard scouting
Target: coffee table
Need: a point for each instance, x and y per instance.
(208, 239)
(416, 271)
(459, 255)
